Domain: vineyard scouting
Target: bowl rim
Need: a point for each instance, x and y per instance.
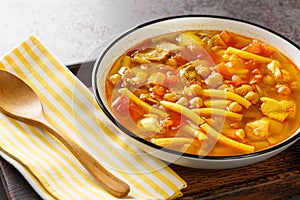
(293, 138)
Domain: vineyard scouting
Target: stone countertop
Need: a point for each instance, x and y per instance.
(72, 29)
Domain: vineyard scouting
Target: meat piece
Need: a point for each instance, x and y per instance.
(158, 55)
(279, 110)
(135, 76)
(195, 70)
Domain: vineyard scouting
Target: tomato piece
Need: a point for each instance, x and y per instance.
(252, 64)
(216, 58)
(180, 59)
(254, 47)
(175, 119)
(267, 50)
(193, 53)
(120, 105)
(125, 108)
(226, 37)
(188, 54)
(159, 90)
(229, 39)
(259, 48)
(255, 77)
(135, 111)
(236, 81)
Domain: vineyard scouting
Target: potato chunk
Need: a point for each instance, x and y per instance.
(258, 128)
(279, 110)
(274, 69)
(150, 124)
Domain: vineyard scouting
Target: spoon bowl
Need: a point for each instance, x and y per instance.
(17, 98)
(19, 101)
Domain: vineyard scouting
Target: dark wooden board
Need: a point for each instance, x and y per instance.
(275, 178)
(15, 187)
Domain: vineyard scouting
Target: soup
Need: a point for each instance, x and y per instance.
(205, 92)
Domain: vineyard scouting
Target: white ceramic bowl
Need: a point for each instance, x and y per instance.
(172, 24)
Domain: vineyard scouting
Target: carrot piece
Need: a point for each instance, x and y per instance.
(223, 70)
(260, 48)
(226, 37)
(237, 81)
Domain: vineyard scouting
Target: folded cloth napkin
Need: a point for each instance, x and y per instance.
(69, 105)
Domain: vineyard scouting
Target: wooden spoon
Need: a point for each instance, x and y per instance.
(19, 101)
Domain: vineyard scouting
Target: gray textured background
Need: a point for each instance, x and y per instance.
(73, 28)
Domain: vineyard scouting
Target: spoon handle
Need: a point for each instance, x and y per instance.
(110, 183)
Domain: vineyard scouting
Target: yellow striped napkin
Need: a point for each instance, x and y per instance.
(46, 164)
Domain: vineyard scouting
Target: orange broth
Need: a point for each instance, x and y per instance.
(246, 91)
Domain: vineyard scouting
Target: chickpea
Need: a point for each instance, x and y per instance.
(203, 71)
(214, 80)
(171, 62)
(226, 57)
(223, 87)
(197, 89)
(252, 97)
(170, 97)
(187, 91)
(235, 107)
(268, 80)
(283, 90)
(196, 102)
(114, 78)
(240, 134)
(243, 90)
(183, 101)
